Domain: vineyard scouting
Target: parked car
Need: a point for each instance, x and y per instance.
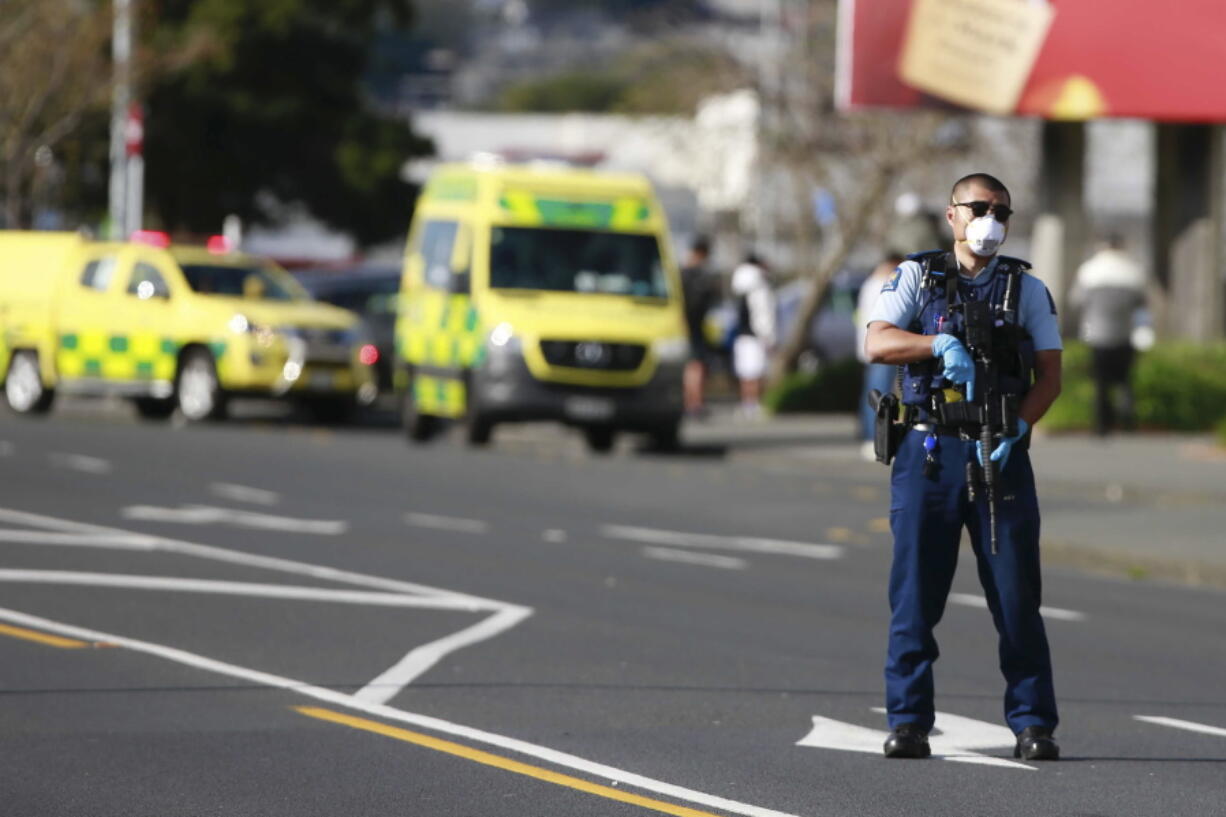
(371, 292)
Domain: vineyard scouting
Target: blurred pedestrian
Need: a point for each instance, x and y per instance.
(755, 331)
(879, 376)
(700, 290)
(940, 482)
(1109, 292)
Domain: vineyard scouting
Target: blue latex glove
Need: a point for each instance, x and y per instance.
(1001, 454)
(959, 368)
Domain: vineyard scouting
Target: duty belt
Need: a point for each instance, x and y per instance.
(940, 430)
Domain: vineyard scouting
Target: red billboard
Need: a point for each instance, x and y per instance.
(1064, 59)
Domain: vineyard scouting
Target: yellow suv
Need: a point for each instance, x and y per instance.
(168, 327)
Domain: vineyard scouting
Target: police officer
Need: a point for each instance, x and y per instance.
(937, 479)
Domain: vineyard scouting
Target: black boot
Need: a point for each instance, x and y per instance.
(1036, 743)
(907, 740)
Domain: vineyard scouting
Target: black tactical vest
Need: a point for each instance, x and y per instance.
(923, 383)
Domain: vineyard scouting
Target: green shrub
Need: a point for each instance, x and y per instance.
(833, 388)
(1178, 386)
(1220, 431)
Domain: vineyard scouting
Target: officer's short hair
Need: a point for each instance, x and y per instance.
(983, 179)
(701, 245)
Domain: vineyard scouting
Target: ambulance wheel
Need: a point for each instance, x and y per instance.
(197, 389)
(154, 408)
(23, 386)
(478, 430)
(600, 439)
(418, 427)
(666, 437)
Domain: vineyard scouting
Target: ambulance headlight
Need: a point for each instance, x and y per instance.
(672, 350)
(502, 337)
(240, 324)
(503, 347)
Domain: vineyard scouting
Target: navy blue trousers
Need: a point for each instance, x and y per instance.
(927, 515)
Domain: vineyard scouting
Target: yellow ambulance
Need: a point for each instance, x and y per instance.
(540, 293)
(169, 327)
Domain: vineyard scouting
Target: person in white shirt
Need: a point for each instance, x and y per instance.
(1109, 291)
(755, 335)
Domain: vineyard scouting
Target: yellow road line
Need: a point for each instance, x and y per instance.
(498, 761)
(42, 638)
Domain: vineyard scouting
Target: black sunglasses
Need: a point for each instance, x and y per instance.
(979, 209)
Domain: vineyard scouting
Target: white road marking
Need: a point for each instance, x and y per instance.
(6, 448)
(244, 493)
(54, 523)
(254, 589)
(954, 738)
(388, 685)
(544, 753)
(208, 515)
(451, 523)
(1176, 723)
(750, 544)
(554, 536)
(1059, 613)
(686, 557)
(422, 656)
(44, 537)
(80, 462)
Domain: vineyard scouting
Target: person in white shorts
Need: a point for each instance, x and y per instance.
(755, 304)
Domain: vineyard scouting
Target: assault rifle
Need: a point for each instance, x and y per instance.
(985, 414)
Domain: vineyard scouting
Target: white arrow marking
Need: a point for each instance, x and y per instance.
(1176, 723)
(952, 739)
(970, 600)
(208, 515)
(751, 544)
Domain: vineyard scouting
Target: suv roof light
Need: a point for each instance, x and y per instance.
(154, 238)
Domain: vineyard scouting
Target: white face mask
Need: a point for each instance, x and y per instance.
(984, 236)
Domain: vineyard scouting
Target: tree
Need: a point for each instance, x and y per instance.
(54, 73)
(856, 157)
(274, 113)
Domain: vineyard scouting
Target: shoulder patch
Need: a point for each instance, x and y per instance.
(891, 284)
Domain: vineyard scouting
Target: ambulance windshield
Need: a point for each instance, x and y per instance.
(263, 283)
(582, 261)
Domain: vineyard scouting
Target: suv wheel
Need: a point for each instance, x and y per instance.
(23, 387)
(197, 389)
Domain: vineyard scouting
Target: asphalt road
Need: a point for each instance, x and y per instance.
(269, 619)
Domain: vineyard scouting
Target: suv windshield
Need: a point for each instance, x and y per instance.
(584, 261)
(263, 283)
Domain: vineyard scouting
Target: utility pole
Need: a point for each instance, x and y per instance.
(122, 198)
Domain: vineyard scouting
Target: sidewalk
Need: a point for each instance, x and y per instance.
(1143, 506)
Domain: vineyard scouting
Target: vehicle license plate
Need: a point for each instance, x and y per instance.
(588, 408)
(321, 380)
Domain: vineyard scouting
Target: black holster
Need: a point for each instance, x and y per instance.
(888, 431)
